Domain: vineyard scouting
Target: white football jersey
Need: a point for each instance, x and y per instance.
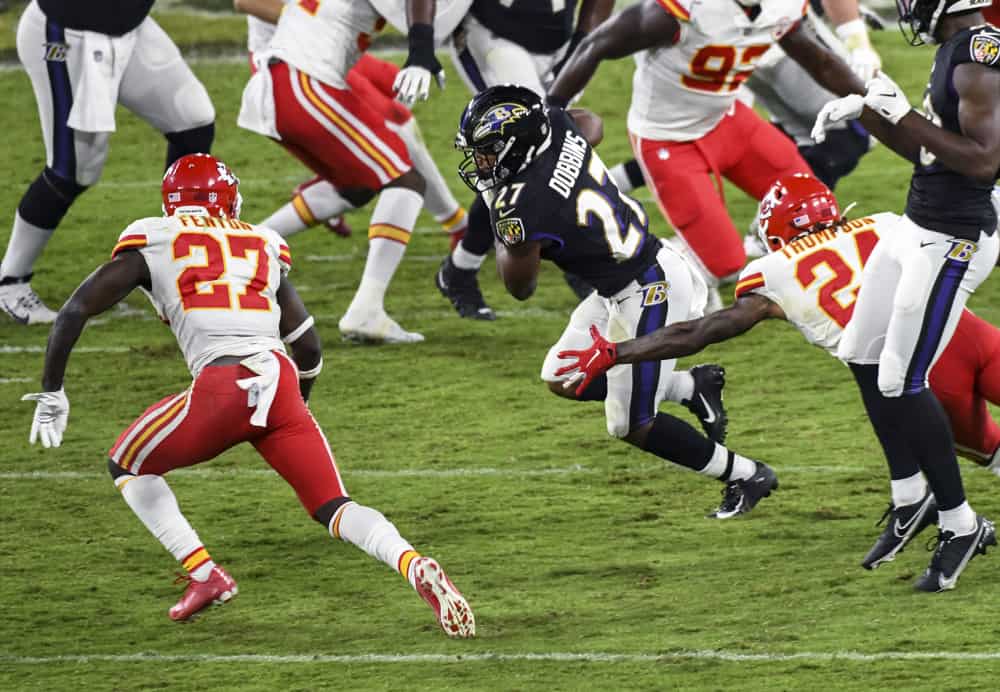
(681, 92)
(324, 38)
(815, 280)
(259, 32)
(214, 282)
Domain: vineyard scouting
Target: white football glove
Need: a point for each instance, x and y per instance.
(51, 416)
(413, 84)
(886, 98)
(861, 57)
(847, 108)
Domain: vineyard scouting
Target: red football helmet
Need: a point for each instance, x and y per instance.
(201, 181)
(795, 205)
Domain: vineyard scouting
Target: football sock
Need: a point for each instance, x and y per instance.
(369, 530)
(455, 224)
(313, 202)
(727, 465)
(627, 176)
(388, 234)
(907, 491)
(26, 244)
(154, 503)
(891, 435)
(463, 259)
(438, 200)
(479, 238)
(961, 520)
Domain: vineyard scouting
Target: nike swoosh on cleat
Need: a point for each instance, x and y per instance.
(710, 418)
(900, 529)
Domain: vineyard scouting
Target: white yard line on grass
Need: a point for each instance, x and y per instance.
(55, 474)
(6, 348)
(554, 656)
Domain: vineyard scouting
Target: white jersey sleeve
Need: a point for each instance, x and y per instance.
(815, 280)
(325, 38)
(681, 92)
(214, 282)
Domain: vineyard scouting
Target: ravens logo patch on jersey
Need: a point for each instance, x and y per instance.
(510, 230)
(985, 48)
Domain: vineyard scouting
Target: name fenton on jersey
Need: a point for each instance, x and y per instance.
(569, 165)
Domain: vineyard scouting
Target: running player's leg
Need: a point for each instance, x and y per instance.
(313, 202)
(74, 160)
(296, 448)
(350, 145)
(160, 88)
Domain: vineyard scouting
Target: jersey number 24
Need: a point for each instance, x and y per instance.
(842, 275)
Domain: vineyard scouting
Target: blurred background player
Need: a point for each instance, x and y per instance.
(83, 59)
(810, 278)
(550, 197)
(687, 127)
(523, 42)
(916, 285)
(232, 319)
(317, 200)
(300, 96)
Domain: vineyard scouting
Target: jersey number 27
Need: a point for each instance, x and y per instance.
(201, 285)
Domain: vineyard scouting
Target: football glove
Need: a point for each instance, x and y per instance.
(591, 362)
(847, 108)
(51, 415)
(886, 98)
(413, 82)
(861, 57)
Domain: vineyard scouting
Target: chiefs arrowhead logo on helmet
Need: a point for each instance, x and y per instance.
(201, 182)
(794, 206)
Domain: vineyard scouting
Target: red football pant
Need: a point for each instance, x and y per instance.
(965, 378)
(212, 416)
(686, 179)
(372, 79)
(336, 133)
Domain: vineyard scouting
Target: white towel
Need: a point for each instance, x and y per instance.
(262, 388)
(257, 105)
(102, 65)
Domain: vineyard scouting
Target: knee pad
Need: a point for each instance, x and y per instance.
(48, 198)
(891, 374)
(197, 140)
(616, 415)
(324, 515)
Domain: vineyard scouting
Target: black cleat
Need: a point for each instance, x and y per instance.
(904, 524)
(739, 497)
(953, 554)
(706, 402)
(461, 287)
(580, 287)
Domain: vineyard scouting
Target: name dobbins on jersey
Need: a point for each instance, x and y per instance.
(569, 165)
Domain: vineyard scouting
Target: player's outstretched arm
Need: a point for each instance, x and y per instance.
(518, 266)
(636, 28)
(298, 332)
(590, 124)
(592, 13)
(822, 64)
(267, 10)
(414, 80)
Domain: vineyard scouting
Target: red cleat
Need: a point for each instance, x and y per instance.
(219, 588)
(453, 612)
(339, 225)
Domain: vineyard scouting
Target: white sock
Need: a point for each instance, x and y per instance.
(463, 259)
(620, 178)
(908, 491)
(24, 247)
(369, 530)
(388, 234)
(961, 520)
(743, 468)
(681, 386)
(438, 200)
(455, 222)
(154, 503)
(314, 202)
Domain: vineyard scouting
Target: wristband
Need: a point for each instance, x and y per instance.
(421, 43)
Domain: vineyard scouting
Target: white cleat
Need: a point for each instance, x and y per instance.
(452, 610)
(376, 328)
(23, 305)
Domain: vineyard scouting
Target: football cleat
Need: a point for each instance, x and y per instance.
(953, 554)
(706, 401)
(461, 287)
(339, 225)
(218, 589)
(452, 610)
(904, 523)
(376, 328)
(21, 303)
(739, 497)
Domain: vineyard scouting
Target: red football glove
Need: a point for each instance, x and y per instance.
(592, 362)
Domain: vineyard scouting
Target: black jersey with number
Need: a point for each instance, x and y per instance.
(111, 17)
(941, 199)
(565, 200)
(538, 26)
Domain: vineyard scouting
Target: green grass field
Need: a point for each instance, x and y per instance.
(564, 540)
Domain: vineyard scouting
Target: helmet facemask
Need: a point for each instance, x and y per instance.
(919, 19)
